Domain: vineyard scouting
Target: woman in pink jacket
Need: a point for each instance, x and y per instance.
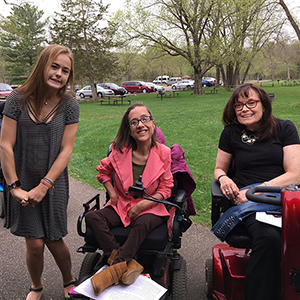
(135, 151)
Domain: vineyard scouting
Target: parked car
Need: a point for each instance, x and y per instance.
(87, 92)
(208, 81)
(5, 90)
(76, 87)
(115, 88)
(161, 79)
(137, 87)
(184, 84)
(173, 80)
(156, 88)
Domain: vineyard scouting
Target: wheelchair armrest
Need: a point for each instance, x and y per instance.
(87, 207)
(215, 189)
(219, 202)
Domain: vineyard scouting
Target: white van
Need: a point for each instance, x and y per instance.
(173, 80)
(161, 79)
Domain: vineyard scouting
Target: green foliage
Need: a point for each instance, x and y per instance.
(80, 26)
(21, 39)
(178, 28)
(193, 122)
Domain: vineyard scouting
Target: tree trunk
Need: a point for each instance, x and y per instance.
(89, 65)
(229, 75)
(218, 71)
(246, 72)
(198, 81)
(288, 71)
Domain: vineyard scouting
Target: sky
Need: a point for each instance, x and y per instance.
(54, 5)
(49, 7)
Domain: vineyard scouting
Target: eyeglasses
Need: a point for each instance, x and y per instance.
(249, 104)
(135, 122)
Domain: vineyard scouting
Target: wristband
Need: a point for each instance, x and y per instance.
(47, 182)
(221, 176)
(14, 185)
(266, 183)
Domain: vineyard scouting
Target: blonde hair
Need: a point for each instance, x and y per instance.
(34, 88)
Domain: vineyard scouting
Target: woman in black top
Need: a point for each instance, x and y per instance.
(265, 151)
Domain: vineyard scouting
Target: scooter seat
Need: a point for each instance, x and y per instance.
(238, 239)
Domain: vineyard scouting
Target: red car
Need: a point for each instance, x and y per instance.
(137, 87)
(5, 90)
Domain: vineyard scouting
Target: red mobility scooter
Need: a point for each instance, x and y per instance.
(225, 272)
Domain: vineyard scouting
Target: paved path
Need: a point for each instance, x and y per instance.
(14, 281)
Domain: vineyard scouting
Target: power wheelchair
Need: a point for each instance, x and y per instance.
(158, 253)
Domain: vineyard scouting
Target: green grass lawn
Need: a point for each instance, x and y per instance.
(193, 122)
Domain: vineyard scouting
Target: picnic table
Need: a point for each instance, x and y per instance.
(212, 90)
(169, 94)
(115, 99)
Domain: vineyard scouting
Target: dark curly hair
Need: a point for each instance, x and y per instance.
(268, 123)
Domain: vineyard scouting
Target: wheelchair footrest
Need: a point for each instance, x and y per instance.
(86, 248)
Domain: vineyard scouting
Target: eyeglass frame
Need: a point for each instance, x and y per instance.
(148, 119)
(245, 104)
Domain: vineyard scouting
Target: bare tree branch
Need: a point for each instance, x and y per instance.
(290, 17)
(10, 3)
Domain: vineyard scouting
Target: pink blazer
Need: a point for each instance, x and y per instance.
(157, 178)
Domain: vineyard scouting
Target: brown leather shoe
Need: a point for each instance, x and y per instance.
(134, 269)
(108, 277)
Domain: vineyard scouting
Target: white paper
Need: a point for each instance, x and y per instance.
(143, 288)
(269, 218)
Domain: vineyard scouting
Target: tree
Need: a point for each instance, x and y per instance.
(290, 18)
(80, 27)
(247, 26)
(21, 39)
(177, 27)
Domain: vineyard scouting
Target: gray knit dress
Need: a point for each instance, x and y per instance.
(37, 147)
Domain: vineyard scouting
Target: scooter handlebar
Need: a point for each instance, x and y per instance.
(269, 199)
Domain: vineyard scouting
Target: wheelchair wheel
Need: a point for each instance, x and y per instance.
(88, 265)
(209, 278)
(179, 289)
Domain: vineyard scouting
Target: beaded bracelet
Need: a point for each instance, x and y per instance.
(47, 182)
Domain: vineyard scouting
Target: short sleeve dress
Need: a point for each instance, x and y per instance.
(37, 147)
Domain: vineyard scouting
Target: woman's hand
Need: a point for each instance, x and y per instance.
(229, 188)
(114, 199)
(134, 212)
(36, 195)
(20, 195)
(241, 197)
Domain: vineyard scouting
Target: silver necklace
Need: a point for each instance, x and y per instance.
(249, 140)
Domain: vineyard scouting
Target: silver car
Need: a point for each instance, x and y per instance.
(87, 92)
(184, 84)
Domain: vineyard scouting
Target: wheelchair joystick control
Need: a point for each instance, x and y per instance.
(137, 190)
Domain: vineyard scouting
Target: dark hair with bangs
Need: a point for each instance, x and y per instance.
(268, 123)
(124, 137)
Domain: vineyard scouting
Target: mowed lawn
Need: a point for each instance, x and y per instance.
(193, 122)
